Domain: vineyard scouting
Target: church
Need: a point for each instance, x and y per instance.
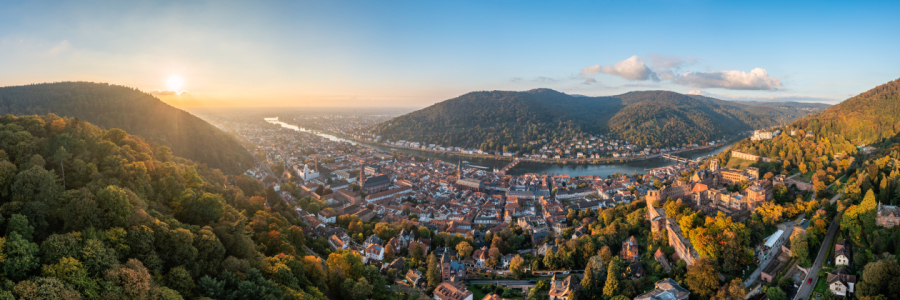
(308, 174)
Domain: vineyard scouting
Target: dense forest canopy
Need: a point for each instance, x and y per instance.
(491, 120)
(136, 112)
(863, 119)
(101, 214)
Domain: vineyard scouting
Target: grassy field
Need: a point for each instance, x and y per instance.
(737, 163)
(805, 177)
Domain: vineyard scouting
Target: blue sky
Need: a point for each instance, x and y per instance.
(414, 53)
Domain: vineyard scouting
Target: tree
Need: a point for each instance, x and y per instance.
(611, 288)
(199, 209)
(464, 249)
(133, 279)
(702, 278)
(8, 172)
(517, 265)
(19, 224)
(113, 201)
(734, 290)
(434, 271)
(880, 278)
(594, 278)
(389, 251)
(800, 247)
(605, 254)
(493, 257)
(21, 257)
(71, 271)
(179, 279)
(776, 293)
(868, 211)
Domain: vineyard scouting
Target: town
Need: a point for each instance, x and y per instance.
(476, 229)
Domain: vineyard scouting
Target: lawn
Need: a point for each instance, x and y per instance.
(821, 286)
(805, 177)
(737, 163)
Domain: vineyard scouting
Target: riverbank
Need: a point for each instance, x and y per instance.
(564, 161)
(573, 167)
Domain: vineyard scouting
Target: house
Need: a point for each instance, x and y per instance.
(840, 282)
(327, 217)
(397, 264)
(375, 184)
(414, 244)
(374, 252)
(481, 256)
(635, 270)
(505, 260)
(415, 278)
(451, 268)
(452, 290)
(665, 289)
(888, 216)
(630, 250)
(560, 290)
(339, 241)
(842, 253)
(493, 297)
(660, 257)
(372, 239)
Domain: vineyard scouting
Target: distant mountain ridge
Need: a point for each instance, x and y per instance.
(138, 113)
(492, 119)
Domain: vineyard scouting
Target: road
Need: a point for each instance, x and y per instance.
(503, 282)
(807, 289)
(788, 227)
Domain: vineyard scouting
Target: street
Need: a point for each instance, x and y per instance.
(788, 227)
(807, 289)
(503, 282)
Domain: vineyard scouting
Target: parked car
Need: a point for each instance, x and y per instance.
(809, 281)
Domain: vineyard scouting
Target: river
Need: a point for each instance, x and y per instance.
(629, 167)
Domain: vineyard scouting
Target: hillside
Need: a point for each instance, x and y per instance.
(490, 120)
(824, 143)
(863, 119)
(132, 222)
(139, 113)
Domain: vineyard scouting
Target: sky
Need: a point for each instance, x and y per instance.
(416, 53)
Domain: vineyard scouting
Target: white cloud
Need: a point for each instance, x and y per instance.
(167, 93)
(669, 62)
(757, 79)
(697, 92)
(632, 68)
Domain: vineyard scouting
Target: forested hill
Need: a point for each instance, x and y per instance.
(139, 113)
(490, 120)
(823, 144)
(863, 119)
(130, 221)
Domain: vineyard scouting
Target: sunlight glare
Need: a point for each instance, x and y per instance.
(174, 83)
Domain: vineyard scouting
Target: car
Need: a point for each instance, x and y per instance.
(809, 281)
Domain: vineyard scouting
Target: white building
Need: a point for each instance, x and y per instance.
(308, 174)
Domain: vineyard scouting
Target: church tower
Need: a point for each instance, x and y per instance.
(714, 165)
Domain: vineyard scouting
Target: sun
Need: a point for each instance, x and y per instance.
(175, 83)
